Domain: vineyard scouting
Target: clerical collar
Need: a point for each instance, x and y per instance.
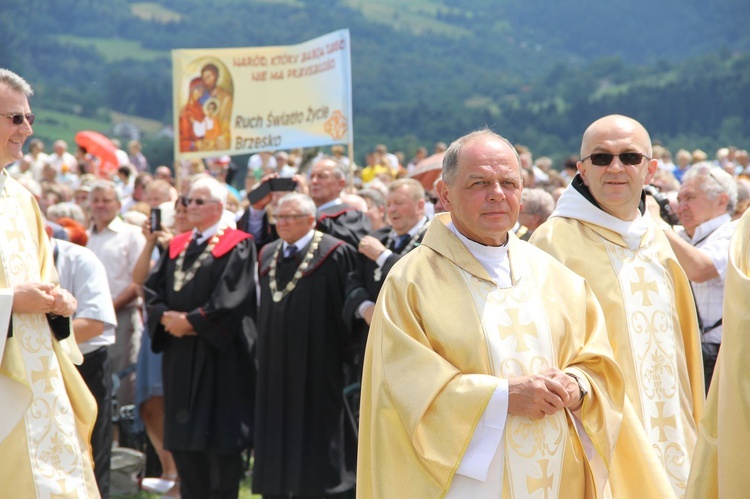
(206, 234)
(576, 202)
(333, 202)
(301, 242)
(707, 228)
(494, 259)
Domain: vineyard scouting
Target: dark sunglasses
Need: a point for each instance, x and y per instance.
(199, 202)
(605, 158)
(183, 201)
(17, 118)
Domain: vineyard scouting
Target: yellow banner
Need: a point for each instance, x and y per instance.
(243, 100)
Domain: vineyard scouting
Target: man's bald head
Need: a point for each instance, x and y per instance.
(617, 185)
(615, 124)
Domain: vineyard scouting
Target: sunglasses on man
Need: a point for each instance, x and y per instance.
(17, 118)
(605, 158)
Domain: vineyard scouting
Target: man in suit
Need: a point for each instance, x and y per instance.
(380, 250)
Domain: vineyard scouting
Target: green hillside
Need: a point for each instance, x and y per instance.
(423, 70)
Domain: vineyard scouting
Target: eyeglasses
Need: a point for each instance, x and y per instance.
(605, 158)
(199, 201)
(17, 118)
(183, 201)
(289, 218)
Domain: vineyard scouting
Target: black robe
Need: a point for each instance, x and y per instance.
(209, 378)
(303, 445)
(362, 285)
(344, 222)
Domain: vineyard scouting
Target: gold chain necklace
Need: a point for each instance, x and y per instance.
(182, 277)
(275, 293)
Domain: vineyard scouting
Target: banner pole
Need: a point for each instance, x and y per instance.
(350, 150)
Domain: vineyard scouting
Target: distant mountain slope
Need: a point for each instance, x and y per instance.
(423, 70)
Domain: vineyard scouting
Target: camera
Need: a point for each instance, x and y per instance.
(665, 209)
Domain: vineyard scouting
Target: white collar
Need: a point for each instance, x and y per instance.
(494, 259)
(301, 242)
(573, 205)
(208, 233)
(116, 225)
(706, 228)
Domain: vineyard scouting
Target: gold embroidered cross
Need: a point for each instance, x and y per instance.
(517, 330)
(45, 374)
(13, 233)
(660, 421)
(545, 482)
(643, 286)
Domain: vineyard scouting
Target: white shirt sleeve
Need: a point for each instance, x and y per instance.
(488, 435)
(380, 261)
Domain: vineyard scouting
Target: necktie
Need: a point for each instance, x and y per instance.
(290, 251)
(400, 242)
(194, 240)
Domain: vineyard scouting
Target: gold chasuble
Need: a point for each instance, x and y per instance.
(47, 410)
(442, 337)
(652, 326)
(720, 463)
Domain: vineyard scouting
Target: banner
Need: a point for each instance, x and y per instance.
(244, 100)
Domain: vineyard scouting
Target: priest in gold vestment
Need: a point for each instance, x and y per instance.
(602, 231)
(487, 372)
(47, 410)
(720, 462)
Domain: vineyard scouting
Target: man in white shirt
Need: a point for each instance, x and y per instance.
(61, 159)
(118, 246)
(94, 323)
(706, 201)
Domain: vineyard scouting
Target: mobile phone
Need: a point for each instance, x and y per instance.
(282, 184)
(155, 219)
(259, 192)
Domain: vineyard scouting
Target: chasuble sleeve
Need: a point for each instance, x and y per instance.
(436, 404)
(719, 464)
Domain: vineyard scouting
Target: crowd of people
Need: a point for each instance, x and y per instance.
(509, 328)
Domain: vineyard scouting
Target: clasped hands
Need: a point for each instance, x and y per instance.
(543, 394)
(43, 298)
(176, 324)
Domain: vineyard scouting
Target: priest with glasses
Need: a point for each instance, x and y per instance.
(602, 230)
(303, 447)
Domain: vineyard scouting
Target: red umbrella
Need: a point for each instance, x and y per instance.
(428, 170)
(100, 146)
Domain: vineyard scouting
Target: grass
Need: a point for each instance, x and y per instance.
(115, 49)
(145, 124)
(52, 125)
(416, 16)
(149, 11)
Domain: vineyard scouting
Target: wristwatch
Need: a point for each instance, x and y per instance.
(581, 387)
